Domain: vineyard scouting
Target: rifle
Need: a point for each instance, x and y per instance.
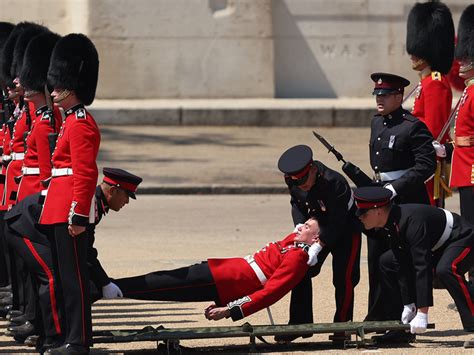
(352, 171)
(52, 137)
(410, 94)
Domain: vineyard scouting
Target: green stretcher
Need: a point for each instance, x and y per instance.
(172, 336)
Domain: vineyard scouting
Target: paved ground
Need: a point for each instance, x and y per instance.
(168, 231)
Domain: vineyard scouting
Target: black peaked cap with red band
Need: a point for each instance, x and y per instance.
(370, 197)
(296, 161)
(386, 83)
(122, 179)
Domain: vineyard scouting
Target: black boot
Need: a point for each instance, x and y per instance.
(395, 337)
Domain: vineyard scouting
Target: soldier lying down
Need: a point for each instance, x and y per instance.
(238, 286)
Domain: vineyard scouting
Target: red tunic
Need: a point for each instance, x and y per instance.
(433, 102)
(17, 146)
(69, 197)
(37, 155)
(462, 164)
(5, 162)
(283, 263)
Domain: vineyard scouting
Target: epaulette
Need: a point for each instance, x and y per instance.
(436, 75)
(81, 114)
(409, 117)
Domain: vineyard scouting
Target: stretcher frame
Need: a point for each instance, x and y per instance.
(172, 336)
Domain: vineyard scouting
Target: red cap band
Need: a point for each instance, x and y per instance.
(370, 204)
(123, 185)
(302, 172)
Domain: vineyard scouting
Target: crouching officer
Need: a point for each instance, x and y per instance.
(30, 242)
(318, 191)
(402, 158)
(421, 238)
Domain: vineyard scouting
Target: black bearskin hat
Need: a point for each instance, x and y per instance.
(430, 35)
(465, 46)
(35, 66)
(75, 66)
(24, 38)
(5, 30)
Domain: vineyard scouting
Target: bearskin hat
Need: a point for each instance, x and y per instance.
(5, 30)
(74, 65)
(35, 66)
(430, 35)
(20, 46)
(465, 46)
(6, 60)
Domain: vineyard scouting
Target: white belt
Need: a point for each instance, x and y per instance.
(30, 171)
(447, 230)
(61, 172)
(18, 156)
(392, 175)
(253, 264)
(6, 158)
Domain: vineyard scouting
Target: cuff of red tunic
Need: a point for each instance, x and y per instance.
(76, 218)
(235, 307)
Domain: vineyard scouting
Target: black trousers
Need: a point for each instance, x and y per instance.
(345, 277)
(4, 258)
(70, 260)
(39, 261)
(187, 284)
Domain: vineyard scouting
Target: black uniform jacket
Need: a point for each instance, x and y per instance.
(400, 141)
(23, 219)
(413, 230)
(330, 201)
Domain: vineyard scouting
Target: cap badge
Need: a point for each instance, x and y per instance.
(380, 81)
(81, 113)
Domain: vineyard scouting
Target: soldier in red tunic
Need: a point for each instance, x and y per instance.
(238, 286)
(37, 162)
(69, 207)
(430, 44)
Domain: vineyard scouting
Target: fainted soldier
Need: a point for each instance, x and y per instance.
(5, 30)
(430, 44)
(421, 238)
(318, 191)
(403, 158)
(33, 246)
(68, 207)
(239, 287)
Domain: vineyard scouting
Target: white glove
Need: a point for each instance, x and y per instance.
(419, 323)
(391, 188)
(111, 290)
(299, 225)
(409, 312)
(313, 253)
(440, 149)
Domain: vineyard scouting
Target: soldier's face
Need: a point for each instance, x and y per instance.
(418, 63)
(388, 103)
(308, 233)
(466, 69)
(17, 90)
(118, 198)
(310, 181)
(370, 219)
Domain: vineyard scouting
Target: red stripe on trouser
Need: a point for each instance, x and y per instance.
(48, 272)
(82, 292)
(349, 292)
(461, 280)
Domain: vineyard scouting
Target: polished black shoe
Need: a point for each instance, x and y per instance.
(21, 332)
(285, 339)
(13, 313)
(32, 340)
(18, 320)
(395, 337)
(43, 344)
(68, 349)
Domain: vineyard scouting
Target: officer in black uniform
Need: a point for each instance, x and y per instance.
(31, 243)
(318, 191)
(421, 238)
(402, 157)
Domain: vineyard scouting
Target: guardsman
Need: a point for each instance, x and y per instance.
(69, 207)
(430, 44)
(34, 247)
(403, 158)
(37, 162)
(5, 30)
(421, 238)
(318, 191)
(462, 161)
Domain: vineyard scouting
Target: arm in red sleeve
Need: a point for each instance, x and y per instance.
(438, 100)
(290, 272)
(84, 140)
(42, 129)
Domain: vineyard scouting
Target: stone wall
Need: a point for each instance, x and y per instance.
(155, 49)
